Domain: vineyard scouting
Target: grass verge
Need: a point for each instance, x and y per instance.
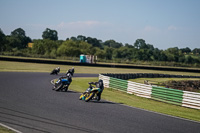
(5, 130)
(8, 66)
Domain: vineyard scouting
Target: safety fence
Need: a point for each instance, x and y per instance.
(168, 95)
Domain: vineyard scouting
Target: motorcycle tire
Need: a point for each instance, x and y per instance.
(59, 87)
(65, 88)
(80, 98)
(89, 96)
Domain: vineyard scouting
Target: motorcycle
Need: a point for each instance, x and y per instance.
(90, 93)
(55, 71)
(61, 84)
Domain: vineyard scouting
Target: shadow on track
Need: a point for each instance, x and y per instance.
(102, 102)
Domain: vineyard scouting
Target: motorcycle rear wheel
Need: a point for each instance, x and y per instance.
(65, 88)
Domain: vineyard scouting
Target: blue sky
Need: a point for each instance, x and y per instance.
(162, 23)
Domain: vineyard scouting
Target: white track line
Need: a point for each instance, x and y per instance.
(10, 128)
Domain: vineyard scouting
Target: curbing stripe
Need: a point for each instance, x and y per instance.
(3, 125)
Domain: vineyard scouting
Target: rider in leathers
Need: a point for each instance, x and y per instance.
(100, 87)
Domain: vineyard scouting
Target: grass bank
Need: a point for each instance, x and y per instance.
(5, 130)
(8, 66)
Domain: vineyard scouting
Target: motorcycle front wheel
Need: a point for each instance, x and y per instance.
(58, 86)
(80, 98)
(89, 96)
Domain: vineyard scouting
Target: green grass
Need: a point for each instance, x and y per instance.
(5, 130)
(8, 66)
(80, 85)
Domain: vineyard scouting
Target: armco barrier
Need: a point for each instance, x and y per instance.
(191, 99)
(118, 84)
(167, 95)
(172, 96)
(138, 89)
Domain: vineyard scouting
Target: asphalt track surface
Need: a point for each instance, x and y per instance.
(28, 104)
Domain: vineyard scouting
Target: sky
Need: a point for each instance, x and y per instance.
(161, 23)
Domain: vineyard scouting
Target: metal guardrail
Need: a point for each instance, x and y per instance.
(168, 95)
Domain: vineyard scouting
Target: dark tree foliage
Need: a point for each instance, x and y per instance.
(113, 44)
(18, 39)
(196, 51)
(95, 42)
(50, 46)
(81, 38)
(185, 50)
(2, 40)
(50, 34)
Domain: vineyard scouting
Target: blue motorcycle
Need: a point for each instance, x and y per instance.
(62, 84)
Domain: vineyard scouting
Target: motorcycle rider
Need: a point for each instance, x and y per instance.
(71, 71)
(55, 71)
(69, 80)
(100, 87)
(58, 69)
(69, 77)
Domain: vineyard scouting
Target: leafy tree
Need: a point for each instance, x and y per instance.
(50, 34)
(123, 52)
(12, 42)
(100, 53)
(172, 54)
(2, 40)
(73, 38)
(69, 48)
(163, 56)
(113, 44)
(140, 44)
(196, 51)
(189, 59)
(156, 54)
(18, 39)
(108, 53)
(129, 46)
(19, 32)
(150, 47)
(45, 47)
(81, 38)
(185, 50)
(38, 47)
(95, 42)
(85, 47)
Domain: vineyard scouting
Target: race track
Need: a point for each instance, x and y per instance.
(28, 104)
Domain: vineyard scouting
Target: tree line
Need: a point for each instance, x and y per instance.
(50, 46)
